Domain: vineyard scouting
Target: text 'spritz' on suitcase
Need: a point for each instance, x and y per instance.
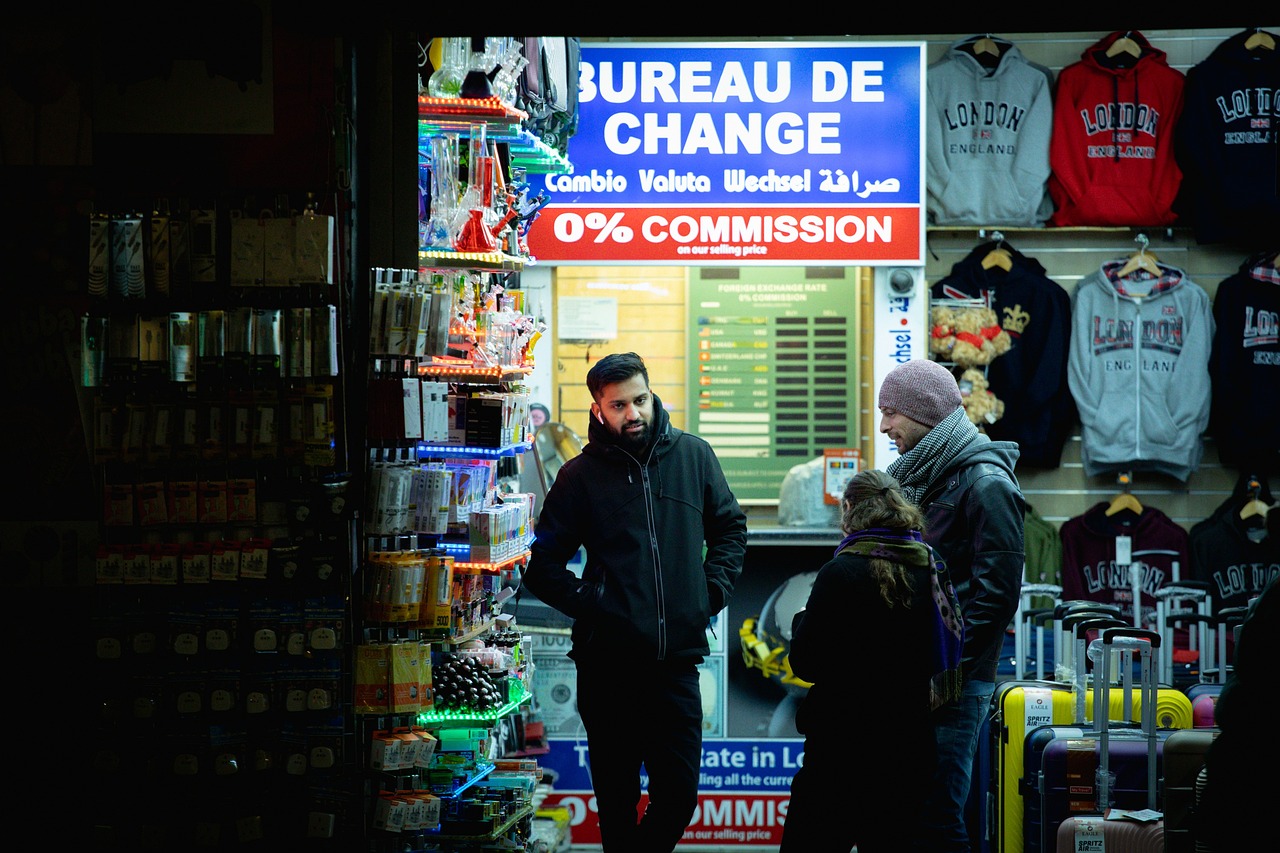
(1097, 821)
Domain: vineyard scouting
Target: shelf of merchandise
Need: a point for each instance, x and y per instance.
(466, 367)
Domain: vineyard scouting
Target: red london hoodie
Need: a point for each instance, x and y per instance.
(1112, 149)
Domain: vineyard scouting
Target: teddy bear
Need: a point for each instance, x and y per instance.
(942, 333)
(978, 337)
(981, 405)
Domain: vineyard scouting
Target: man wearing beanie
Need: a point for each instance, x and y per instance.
(973, 508)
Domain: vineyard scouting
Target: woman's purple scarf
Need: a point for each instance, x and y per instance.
(908, 547)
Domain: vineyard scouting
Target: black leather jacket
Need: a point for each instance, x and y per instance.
(648, 587)
(974, 513)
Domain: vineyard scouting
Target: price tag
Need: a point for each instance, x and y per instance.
(1088, 836)
(1124, 550)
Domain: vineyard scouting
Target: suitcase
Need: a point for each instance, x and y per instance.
(1100, 784)
(1184, 756)
(1017, 708)
(1109, 836)
(1203, 708)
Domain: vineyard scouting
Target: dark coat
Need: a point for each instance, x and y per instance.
(846, 621)
(647, 587)
(974, 513)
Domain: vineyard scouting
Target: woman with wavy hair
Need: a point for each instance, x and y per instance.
(879, 640)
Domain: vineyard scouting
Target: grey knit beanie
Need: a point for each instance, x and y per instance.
(921, 389)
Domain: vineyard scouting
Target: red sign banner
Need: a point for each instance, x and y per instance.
(590, 234)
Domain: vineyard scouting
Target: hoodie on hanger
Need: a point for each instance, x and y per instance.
(1090, 571)
(1227, 145)
(1244, 366)
(1031, 377)
(1112, 149)
(1139, 370)
(989, 120)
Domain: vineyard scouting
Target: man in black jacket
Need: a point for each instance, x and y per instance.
(974, 512)
(643, 498)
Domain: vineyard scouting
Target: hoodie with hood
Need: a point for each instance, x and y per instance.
(989, 120)
(1228, 147)
(648, 587)
(1091, 572)
(1245, 365)
(1031, 376)
(1139, 370)
(1113, 146)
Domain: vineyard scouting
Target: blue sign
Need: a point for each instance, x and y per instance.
(728, 764)
(794, 124)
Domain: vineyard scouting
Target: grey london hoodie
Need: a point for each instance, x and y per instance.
(989, 120)
(1138, 368)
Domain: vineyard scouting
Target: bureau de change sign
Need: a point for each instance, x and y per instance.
(786, 153)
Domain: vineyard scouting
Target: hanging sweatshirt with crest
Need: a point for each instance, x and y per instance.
(1138, 368)
(1112, 152)
(1229, 145)
(1092, 559)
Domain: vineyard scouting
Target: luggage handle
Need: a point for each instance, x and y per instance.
(1183, 591)
(1172, 619)
(1221, 621)
(1065, 615)
(1144, 642)
(1081, 624)
(1031, 618)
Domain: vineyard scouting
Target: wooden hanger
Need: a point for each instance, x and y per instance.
(986, 44)
(1141, 259)
(1123, 501)
(1124, 44)
(1254, 507)
(998, 257)
(1259, 39)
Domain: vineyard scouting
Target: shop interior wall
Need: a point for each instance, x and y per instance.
(1068, 255)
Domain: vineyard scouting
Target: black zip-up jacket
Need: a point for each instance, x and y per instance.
(647, 586)
(974, 513)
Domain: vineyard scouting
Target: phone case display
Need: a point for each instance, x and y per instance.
(1227, 142)
(1115, 111)
(442, 674)
(220, 628)
(440, 667)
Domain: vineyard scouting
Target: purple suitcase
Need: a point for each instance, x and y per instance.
(1100, 771)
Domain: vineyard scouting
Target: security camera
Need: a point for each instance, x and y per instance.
(901, 281)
